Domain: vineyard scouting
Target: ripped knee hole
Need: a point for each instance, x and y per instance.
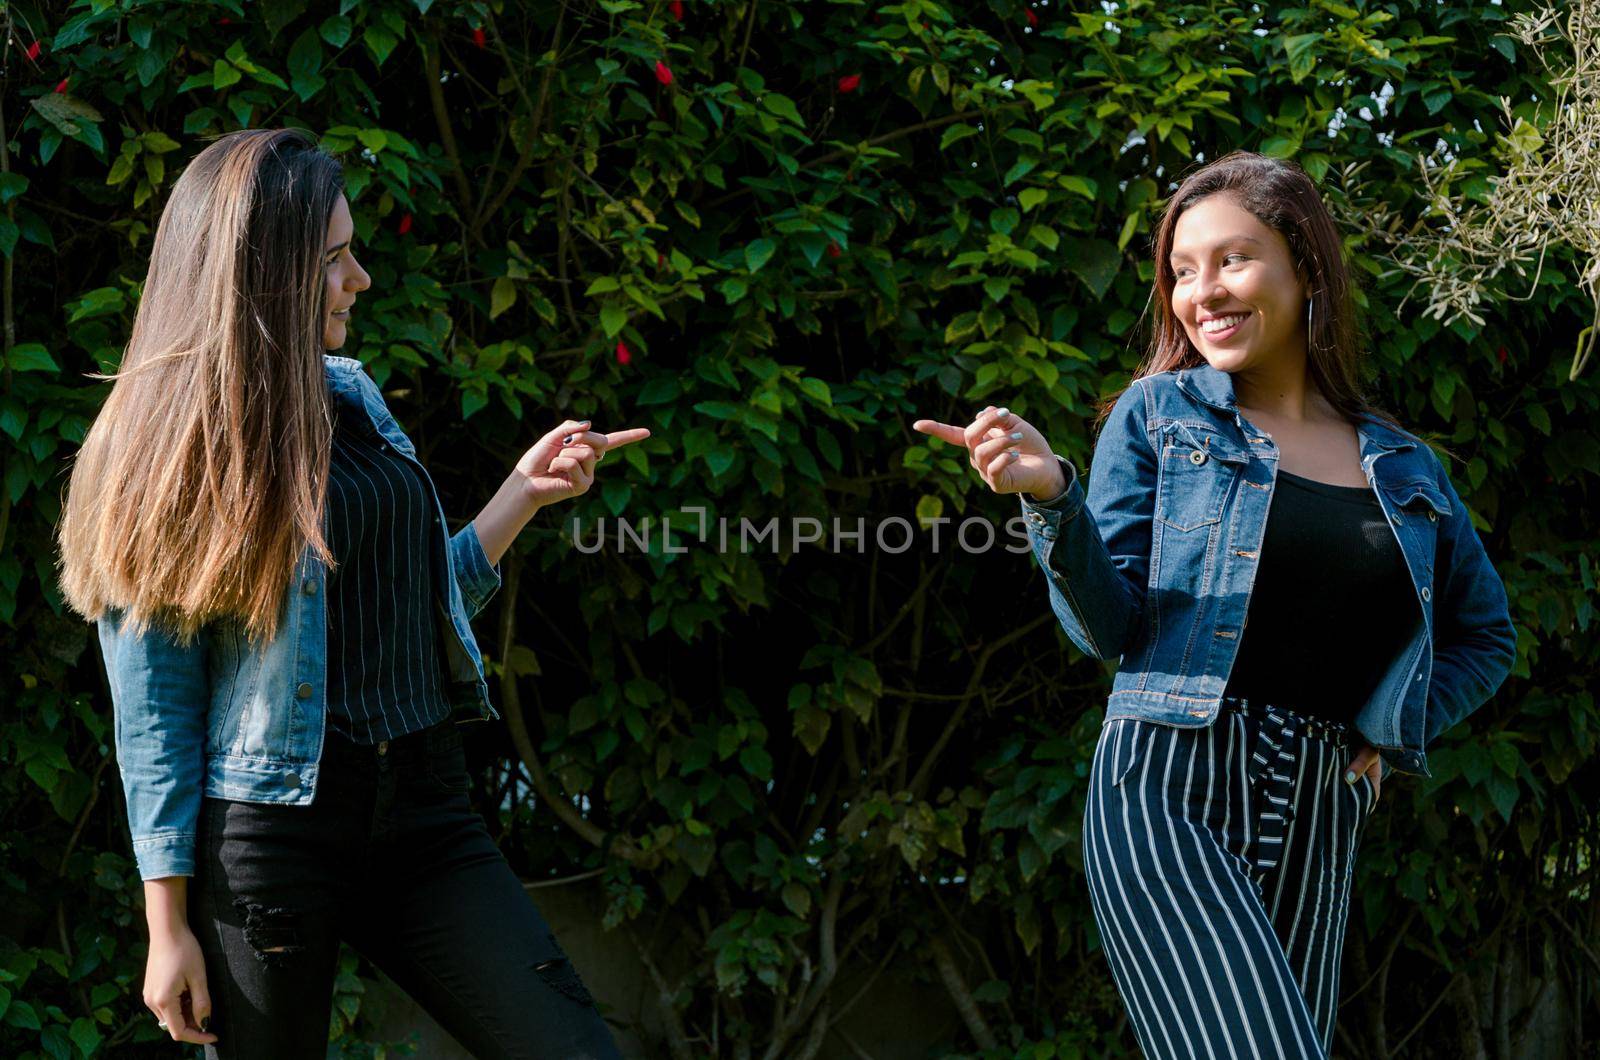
(560, 975)
(273, 932)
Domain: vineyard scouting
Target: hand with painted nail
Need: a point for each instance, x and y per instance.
(1006, 451)
(562, 463)
(1366, 761)
(175, 988)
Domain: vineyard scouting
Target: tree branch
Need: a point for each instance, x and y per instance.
(666, 999)
(956, 986)
(535, 119)
(920, 780)
(447, 133)
(511, 710)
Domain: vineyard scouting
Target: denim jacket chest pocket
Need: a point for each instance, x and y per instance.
(1420, 498)
(1196, 473)
(1418, 507)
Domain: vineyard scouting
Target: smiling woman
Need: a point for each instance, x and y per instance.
(345, 278)
(1238, 290)
(286, 624)
(1271, 642)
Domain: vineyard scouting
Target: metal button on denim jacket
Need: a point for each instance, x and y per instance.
(1153, 564)
(237, 720)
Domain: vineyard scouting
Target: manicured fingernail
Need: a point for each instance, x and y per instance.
(205, 1025)
(1349, 776)
(1015, 455)
(1004, 413)
(1016, 436)
(567, 440)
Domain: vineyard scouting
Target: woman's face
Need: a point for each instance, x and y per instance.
(1235, 288)
(343, 278)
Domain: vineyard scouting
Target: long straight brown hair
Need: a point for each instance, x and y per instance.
(202, 480)
(1281, 196)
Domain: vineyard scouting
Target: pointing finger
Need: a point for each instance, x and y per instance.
(618, 439)
(945, 432)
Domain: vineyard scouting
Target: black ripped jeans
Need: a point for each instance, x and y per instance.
(392, 858)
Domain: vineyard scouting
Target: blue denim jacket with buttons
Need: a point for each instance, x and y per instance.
(1153, 564)
(236, 720)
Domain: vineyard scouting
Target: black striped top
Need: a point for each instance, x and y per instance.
(385, 656)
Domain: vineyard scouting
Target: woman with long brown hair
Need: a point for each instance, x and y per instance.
(285, 621)
(1298, 600)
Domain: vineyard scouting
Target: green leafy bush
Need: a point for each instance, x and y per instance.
(775, 233)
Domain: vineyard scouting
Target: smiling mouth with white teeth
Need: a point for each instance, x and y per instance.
(1222, 327)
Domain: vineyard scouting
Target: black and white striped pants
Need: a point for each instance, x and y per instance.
(1219, 862)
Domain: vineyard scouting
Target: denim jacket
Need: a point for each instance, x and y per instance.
(1154, 563)
(237, 720)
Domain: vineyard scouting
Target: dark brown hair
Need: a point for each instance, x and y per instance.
(1282, 197)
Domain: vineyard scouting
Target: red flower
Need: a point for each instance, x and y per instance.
(405, 224)
(676, 7)
(33, 50)
(1501, 354)
(833, 249)
(663, 74)
(479, 39)
(661, 260)
(1033, 19)
(624, 355)
(62, 87)
(224, 21)
(849, 82)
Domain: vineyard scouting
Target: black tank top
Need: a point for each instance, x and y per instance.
(1332, 601)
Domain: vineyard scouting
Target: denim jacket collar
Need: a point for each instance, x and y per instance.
(1212, 386)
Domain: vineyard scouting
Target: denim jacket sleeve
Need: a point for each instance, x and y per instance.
(477, 577)
(1475, 641)
(160, 693)
(1094, 545)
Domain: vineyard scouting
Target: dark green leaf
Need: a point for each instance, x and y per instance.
(758, 253)
(335, 30)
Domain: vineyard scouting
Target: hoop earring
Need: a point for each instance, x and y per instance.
(1308, 318)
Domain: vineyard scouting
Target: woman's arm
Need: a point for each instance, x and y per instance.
(560, 465)
(1475, 641)
(166, 905)
(476, 549)
(160, 691)
(503, 518)
(175, 984)
(1094, 545)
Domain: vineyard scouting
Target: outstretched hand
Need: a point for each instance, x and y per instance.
(1006, 451)
(562, 463)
